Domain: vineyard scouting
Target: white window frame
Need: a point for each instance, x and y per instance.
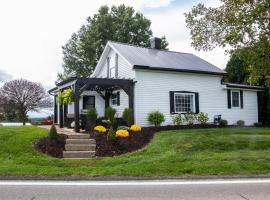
(110, 72)
(183, 93)
(235, 91)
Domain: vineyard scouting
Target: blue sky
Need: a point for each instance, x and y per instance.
(33, 32)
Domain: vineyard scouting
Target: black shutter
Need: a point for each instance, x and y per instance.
(241, 99)
(197, 106)
(118, 98)
(171, 102)
(229, 99)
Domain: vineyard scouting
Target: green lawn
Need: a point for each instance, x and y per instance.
(228, 151)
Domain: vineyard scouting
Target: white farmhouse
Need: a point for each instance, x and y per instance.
(149, 79)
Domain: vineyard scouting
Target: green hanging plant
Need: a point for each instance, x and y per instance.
(60, 98)
(68, 96)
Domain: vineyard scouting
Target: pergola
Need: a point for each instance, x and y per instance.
(103, 86)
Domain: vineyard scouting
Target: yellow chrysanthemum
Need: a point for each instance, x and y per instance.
(100, 129)
(122, 133)
(135, 127)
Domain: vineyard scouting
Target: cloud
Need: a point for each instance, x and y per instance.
(4, 76)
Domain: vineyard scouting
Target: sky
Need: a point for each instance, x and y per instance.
(33, 32)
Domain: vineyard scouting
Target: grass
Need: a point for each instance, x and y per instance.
(227, 151)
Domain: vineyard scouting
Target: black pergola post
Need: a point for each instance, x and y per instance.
(55, 117)
(76, 109)
(61, 116)
(131, 100)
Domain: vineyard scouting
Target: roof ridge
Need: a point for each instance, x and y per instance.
(134, 45)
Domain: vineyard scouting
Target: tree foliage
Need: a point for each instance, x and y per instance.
(121, 24)
(25, 96)
(235, 24)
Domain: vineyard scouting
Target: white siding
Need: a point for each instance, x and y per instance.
(152, 93)
(123, 103)
(99, 103)
(125, 70)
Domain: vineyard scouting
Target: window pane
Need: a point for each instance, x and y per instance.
(184, 103)
(88, 102)
(235, 99)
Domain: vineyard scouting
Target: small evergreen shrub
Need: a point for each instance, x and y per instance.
(258, 124)
(156, 118)
(223, 123)
(177, 119)
(111, 135)
(202, 118)
(110, 114)
(92, 117)
(190, 118)
(240, 123)
(53, 132)
(128, 116)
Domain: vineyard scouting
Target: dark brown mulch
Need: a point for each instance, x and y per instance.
(51, 147)
(135, 141)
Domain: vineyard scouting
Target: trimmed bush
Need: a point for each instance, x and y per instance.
(111, 135)
(223, 123)
(202, 118)
(128, 116)
(110, 114)
(240, 123)
(92, 117)
(156, 118)
(177, 119)
(53, 132)
(258, 124)
(190, 118)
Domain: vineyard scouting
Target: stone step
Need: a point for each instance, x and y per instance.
(78, 136)
(80, 147)
(81, 141)
(78, 154)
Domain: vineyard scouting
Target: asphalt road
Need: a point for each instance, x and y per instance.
(251, 189)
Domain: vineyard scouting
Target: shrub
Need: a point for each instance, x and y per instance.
(258, 124)
(156, 118)
(122, 133)
(100, 129)
(202, 118)
(53, 132)
(128, 116)
(240, 123)
(111, 135)
(135, 128)
(110, 114)
(123, 128)
(223, 123)
(92, 117)
(177, 119)
(190, 118)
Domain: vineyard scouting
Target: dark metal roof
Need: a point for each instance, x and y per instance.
(148, 58)
(235, 85)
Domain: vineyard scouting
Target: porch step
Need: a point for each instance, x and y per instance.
(78, 136)
(78, 154)
(81, 141)
(80, 147)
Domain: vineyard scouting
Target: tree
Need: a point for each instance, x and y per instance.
(25, 96)
(236, 24)
(121, 24)
(237, 68)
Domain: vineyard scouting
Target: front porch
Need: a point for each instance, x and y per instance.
(102, 88)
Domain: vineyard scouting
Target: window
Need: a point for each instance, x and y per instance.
(184, 102)
(88, 102)
(115, 99)
(235, 99)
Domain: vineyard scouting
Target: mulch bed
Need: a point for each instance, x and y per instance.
(51, 147)
(135, 141)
